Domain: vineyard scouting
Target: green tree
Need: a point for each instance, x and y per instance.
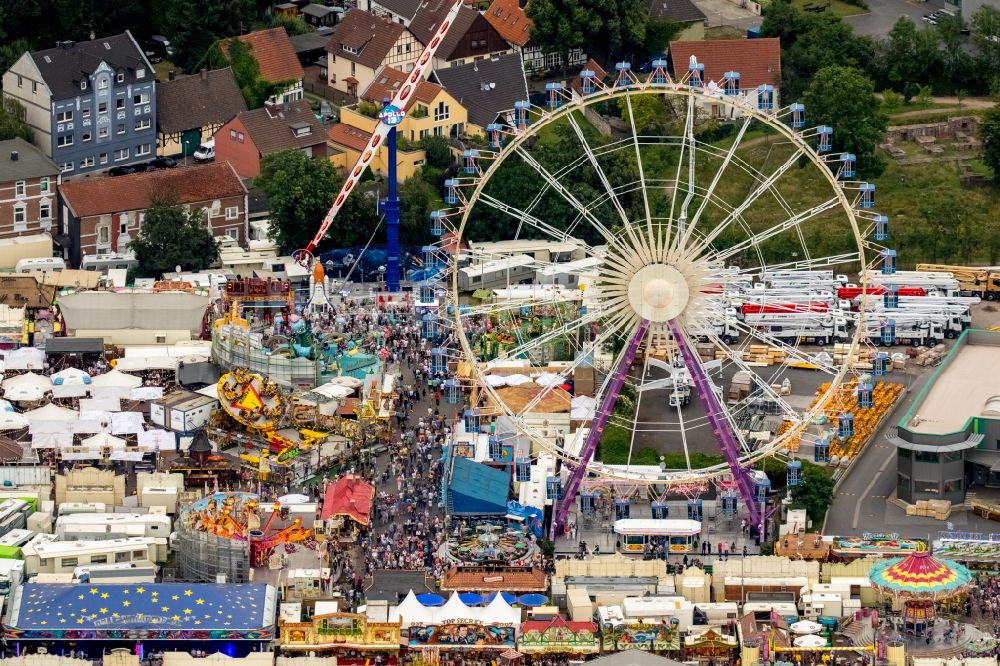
(195, 25)
(985, 26)
(844, 98)
(172, 236)
(955, 62)
(438, 151)
(246, 70)
(416, 201)
(815, 493)
(300, 190)
(293, 25)
(659, 34)
(12, 120)
(647, 111)
(615, 27)
(901, 56)
(989, 134)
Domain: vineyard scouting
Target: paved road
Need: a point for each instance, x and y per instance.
(884, 13)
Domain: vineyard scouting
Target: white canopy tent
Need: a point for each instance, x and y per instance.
(103, 439)
(117, 378)
(157, 439)
(70, 390)
(454, 609)
(12, 421)
(27, 387)
(127, 423)
(146, 393)
(25, 358)
(70, 376)
(52, 440)
(499, 611)
(100, 404)
(412, 611)
(51, 412)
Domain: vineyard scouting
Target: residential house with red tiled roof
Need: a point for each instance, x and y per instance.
(758, 62)
(278, 62)
(510, 19)
(251, 135)
(103, 215)
(361, 44)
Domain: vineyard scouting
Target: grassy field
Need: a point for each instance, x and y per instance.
(835, 7)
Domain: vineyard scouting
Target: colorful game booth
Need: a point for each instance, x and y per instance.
(161, 616)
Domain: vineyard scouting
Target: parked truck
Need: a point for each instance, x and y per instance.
(982, 281)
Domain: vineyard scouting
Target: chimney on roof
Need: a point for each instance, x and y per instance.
(93, 35)
(68, 44)
(171, 74)
(204, 74)
(14, 156)
(522, 3)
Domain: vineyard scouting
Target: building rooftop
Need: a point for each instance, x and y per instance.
(428, 19)
(200, 100)
(189, 184)
(487, 88)
(387, 82)
(275, 54)
(30, 162)
(966, 385)
(406, 8)
(364, 38)
(494, 579)
(349, 137)
(674, 11)
(757, 60)
(65, 66)
(273, 128)
(509, 19)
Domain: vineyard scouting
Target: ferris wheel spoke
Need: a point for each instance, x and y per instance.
(598, 342)
(642, 176)
(794, 222)
(761, 188)
(845, 259)
(792, 351)
(589, 152)
(565, 193)
(523, 216)
(552, 335)
(710, 191)
(736, 358)
(687, 146)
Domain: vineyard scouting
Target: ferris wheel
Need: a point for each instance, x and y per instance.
(667, 263)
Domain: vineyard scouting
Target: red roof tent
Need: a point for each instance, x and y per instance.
(848, 293)
(349, 496)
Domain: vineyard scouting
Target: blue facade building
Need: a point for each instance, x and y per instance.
(92, 104)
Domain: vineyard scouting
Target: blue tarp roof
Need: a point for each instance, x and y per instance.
(170, 610)
(478, 489)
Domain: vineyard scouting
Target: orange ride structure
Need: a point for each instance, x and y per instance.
(242, 518)
(255, 402)
(920, 581)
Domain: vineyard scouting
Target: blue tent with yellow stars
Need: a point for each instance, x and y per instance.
(164, 611)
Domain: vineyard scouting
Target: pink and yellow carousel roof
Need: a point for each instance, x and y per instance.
(920, 576)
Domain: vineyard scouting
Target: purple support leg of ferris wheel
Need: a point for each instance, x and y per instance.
(596, 428)
(717, 419)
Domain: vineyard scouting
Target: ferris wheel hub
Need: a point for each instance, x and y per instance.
(658, 292)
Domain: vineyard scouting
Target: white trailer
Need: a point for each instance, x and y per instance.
(913, 331)
(806, 329)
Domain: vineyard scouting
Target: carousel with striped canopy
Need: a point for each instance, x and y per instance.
(920, 580)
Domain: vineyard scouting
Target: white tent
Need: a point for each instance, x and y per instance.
(809, 641)
(517, 379)
(147, 393)
(157, 439)
(6, 406)
(86, 426)
(335, 391)
(454, 609)
(127, 423)
(117, 378)
(412, 611)
(496, 380)
(26, 387)
(51, 440)
(25, 358)
(212, 391)
(499, 611)
(12, 421)
(102, 439)
(70, 390)
(100, 404)
(51, 412)
(805, 627)
(70, 376)
(582, 408)
(549, 379)
(346, 380)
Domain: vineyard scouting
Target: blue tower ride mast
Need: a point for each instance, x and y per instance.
(392, 116)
